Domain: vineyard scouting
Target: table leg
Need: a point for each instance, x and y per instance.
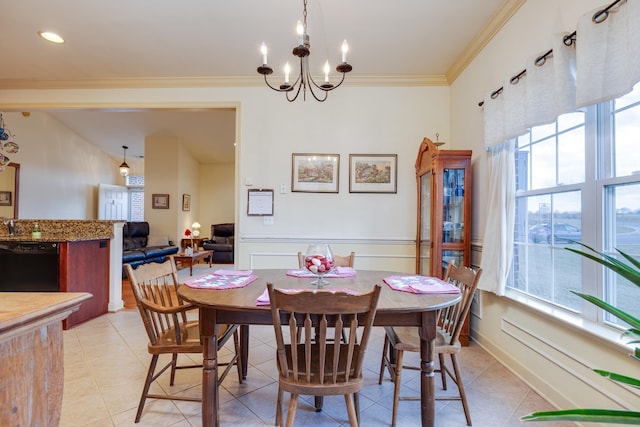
(209, 334)
(427, 364)
(244, 349)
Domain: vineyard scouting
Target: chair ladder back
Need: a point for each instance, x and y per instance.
(452, 318)
(328, 310)
(160, 293)
(157, 284)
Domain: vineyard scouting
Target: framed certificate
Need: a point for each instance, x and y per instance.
(260, 202)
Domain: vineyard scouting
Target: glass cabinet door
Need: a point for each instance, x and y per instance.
(453, 206)
(425, 224)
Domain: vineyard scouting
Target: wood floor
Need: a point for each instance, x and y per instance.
(127, 295)
(128, 298)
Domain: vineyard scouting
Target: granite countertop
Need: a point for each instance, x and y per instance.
(58, 230)
(54, 237)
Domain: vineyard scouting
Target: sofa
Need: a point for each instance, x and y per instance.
(221, 243)
(139, 247)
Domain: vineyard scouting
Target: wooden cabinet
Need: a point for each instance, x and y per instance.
(84, 267)
(444, 211)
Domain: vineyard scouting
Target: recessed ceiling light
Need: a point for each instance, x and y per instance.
(52, 37)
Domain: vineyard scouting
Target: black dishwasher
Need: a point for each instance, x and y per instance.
(29, 266)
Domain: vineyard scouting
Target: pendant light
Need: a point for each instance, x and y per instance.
(124, 167)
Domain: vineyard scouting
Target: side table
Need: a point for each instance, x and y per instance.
(197, 241)
(183, 259)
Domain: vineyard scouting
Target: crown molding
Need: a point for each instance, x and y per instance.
(199, 82)
(484, 36)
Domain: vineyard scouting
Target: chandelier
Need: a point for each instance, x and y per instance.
(7, 145)
(304, 80)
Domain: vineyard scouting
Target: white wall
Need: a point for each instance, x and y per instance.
(217, 201)
(59, 170)
(379, 227)
(359, 120)
(549, 353)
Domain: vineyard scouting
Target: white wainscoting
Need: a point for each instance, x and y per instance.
(371, 254)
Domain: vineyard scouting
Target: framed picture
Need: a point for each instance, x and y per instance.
(260, 202)
(186, 202)
(160, 201)
(315, 173)
(373, 173)
(5, 198)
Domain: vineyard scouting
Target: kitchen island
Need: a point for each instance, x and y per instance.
(69, 256)
(31, 350)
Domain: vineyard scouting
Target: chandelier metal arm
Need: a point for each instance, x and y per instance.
(304, 80)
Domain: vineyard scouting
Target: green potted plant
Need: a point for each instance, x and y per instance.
(630, 270)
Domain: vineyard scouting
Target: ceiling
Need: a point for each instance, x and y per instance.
(169, 43)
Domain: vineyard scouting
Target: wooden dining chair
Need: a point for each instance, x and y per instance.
(316, 366)
(165, 319)
(338, 260)
(450, 321)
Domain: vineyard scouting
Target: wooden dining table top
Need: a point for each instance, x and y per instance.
(244, 299)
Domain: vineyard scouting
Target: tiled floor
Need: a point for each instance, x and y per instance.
(106, 361)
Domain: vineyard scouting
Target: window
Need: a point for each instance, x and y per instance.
(578, 179)
(135, 184)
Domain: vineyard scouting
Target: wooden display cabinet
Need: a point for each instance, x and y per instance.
(444, 212)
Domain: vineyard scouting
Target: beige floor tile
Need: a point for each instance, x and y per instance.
(82, 403)
(106, 361)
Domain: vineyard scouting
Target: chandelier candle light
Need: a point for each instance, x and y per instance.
(304, 79)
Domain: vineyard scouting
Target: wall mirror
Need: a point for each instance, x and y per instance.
(9, 186)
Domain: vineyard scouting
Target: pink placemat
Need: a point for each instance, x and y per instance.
(263, 299)
(220, 282)
(223, 272)
(421, 285)
(339, 272)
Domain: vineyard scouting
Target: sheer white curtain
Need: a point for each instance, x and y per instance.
(608, 54)
(605, 65)
(497, 249)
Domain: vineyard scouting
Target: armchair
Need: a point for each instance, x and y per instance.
(221, 243)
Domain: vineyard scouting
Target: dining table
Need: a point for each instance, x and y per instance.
(238, 305)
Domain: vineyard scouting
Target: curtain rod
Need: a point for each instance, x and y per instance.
(598, 17)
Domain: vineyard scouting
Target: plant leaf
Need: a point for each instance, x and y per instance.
(634, 382)
(631, 320)
(625, 270)
(629, 258)
(586, 415)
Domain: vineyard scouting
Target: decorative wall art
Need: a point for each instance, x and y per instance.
(160, 201)
(186, 202)
(5, 198)
(315, 173)
(373, 173)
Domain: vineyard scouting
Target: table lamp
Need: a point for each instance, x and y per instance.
(196, 229)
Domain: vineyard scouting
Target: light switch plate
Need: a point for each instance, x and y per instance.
(267, 220)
